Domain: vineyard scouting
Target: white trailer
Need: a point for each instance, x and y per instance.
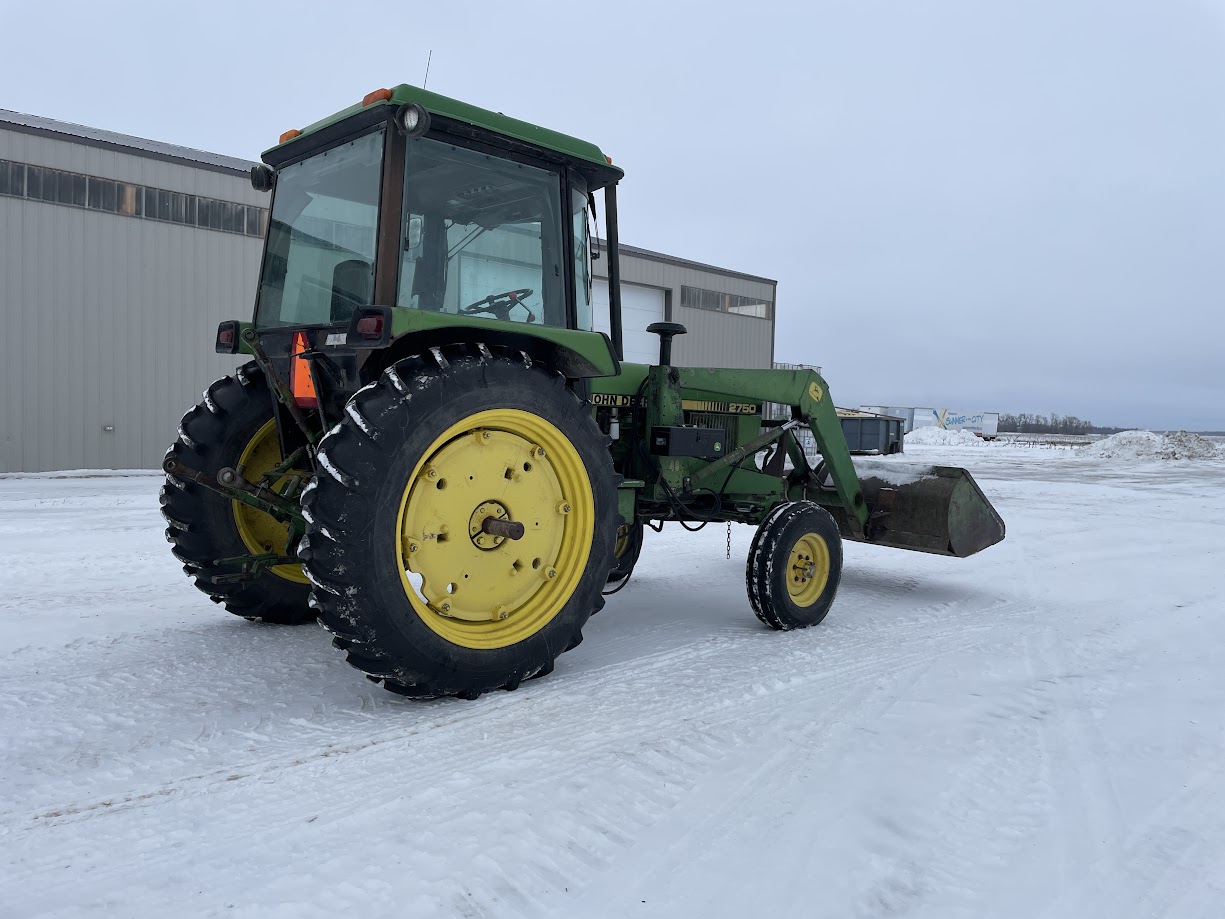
(984, 424)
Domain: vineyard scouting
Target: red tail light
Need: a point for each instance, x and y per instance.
(227, 338)
(300, 381)
(370, 327)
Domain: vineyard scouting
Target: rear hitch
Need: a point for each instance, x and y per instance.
(252, 566)
(230, 484)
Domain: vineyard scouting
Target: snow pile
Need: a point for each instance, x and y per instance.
(1145, 445)
(938, 437)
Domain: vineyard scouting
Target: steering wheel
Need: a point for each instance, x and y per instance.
(501, 304)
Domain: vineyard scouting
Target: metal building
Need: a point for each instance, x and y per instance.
(119, 256)
(729, 315)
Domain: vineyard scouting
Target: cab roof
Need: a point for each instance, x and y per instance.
(587, 154)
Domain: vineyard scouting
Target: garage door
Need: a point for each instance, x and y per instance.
(640, 306)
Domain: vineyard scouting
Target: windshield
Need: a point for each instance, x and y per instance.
(481, 236)
(319, 262)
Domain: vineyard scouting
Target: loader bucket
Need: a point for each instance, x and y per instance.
(937, 509)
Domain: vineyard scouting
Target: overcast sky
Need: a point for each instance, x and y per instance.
(982, 204)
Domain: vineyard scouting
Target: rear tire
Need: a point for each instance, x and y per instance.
(794, 566)
(204, 526)
(417, 594)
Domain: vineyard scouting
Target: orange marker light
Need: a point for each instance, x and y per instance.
(290, 135)
(300, 381)
(609, 158)
(379, 95)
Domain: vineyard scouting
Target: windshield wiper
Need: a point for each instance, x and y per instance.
(463, 243)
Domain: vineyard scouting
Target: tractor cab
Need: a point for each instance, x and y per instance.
(415, 213)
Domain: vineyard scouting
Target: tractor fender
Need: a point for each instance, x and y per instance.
(587, 357)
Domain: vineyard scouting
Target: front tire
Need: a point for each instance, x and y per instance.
(794, 566)
(626, 549)
(233, 426)
(418, 594)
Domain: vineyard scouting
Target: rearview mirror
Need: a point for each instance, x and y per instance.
(413, 239)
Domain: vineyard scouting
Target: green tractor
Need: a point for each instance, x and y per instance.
(432, 452)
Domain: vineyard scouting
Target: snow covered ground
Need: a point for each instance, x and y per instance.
(1036, 731)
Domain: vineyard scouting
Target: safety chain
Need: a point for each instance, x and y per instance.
(729, 540)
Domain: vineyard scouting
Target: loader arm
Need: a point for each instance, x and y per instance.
(808, 395)
(923, 508)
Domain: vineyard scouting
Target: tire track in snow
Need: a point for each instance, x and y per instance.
(1171, 859)
(674, 738)
(158, 695)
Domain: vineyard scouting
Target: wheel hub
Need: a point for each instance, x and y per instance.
(808, 569)
(478, 528)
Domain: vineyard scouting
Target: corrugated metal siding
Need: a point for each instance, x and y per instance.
(713, 339)
(722, 340)
(108, 319)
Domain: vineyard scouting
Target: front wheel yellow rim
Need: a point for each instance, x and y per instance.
(260, 532)
(808, 569)
(479, 590)
(623, 541)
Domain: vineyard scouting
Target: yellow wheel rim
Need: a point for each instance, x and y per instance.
(260, 532)
(808, 569)
(478, 590)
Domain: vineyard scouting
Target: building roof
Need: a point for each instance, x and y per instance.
(125, 143)
(685, 263)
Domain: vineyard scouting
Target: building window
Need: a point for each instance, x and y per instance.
(12, 179)
(129, 202)
(23, 180)
(34, 182)
(716, 301)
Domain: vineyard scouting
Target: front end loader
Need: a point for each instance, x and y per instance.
(430, 450)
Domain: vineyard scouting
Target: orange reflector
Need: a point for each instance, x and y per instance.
(300, 381)
(609, 158)
(379, 95)
(290, 135)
